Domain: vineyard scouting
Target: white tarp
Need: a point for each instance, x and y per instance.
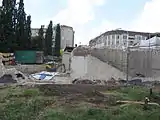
(44, 75)
(155, 41)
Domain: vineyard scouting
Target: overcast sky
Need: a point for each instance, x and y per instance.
(90, 18)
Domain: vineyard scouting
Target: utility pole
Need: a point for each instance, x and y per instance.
(128, 53)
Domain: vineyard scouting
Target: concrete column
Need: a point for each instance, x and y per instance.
(115, 41)
(107, 41)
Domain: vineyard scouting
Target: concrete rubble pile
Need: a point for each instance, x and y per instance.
(11, 75)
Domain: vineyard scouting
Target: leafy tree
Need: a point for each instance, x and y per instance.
(58, 41)
(48, 39)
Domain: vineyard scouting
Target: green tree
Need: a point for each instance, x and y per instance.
(35, 43)
(2, 37)
(48, 39)
(21, 27)
(14, 28)
(41, 42)
(13, 44)
(7, 27)
(28, 32)
(58, 41)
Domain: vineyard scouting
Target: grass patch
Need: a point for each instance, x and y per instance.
(125, 113)
(131, 93)
(32, 104)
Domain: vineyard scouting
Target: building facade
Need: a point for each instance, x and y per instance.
(35, 31)
(67, 35)
(118, 39)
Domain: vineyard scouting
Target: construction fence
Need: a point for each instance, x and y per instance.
(145, 62)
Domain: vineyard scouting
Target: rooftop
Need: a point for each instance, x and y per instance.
(132, 33)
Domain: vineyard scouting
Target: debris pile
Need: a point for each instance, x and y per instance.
(91, 82)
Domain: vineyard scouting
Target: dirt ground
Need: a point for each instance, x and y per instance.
(74, 95)
(28, 69)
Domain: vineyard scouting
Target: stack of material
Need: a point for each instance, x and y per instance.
(8, 58)
(12, 74)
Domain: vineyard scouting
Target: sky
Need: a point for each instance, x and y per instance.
(90, 18)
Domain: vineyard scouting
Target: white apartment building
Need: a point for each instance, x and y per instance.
(67, 36)
(118, 39)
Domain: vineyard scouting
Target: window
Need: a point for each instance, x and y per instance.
(143, 38)
(113, 37)
(109, 37)
(117, 42)
(124, 36)
(109, 42)
(138, 37)
(112, 42)
(105, 42)
(117, 36)
(131, 42)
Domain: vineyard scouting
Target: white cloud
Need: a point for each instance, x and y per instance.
(94, 32)
(77, 14)
(149, 19)
(34, 8)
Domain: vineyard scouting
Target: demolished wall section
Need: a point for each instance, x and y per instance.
(85, 66)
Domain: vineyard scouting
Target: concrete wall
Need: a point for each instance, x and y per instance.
(144, 61)
(78, 66)
(66, 60)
